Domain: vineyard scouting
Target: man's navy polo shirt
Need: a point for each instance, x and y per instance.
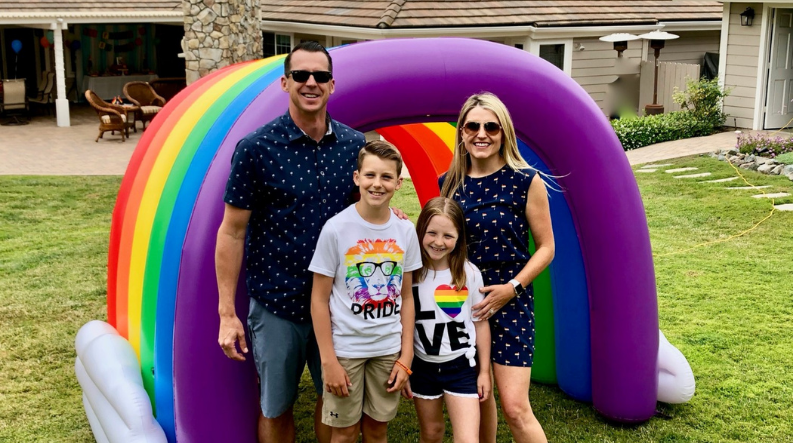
(292, 185)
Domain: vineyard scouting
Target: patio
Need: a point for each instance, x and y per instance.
(43, 148)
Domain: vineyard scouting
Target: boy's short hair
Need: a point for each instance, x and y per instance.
(382, 150)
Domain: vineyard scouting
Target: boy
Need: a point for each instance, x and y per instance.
(362, 302)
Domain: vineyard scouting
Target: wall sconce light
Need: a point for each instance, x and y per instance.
(620, 41)
(579, 46)
(747, 17)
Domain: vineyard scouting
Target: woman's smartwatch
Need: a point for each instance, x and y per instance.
(519, 289)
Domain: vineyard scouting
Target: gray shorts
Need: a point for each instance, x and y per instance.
(281, 350)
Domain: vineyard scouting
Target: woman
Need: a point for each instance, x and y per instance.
(503, 199)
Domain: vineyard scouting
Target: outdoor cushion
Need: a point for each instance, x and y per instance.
(106, 119)
(148, 110)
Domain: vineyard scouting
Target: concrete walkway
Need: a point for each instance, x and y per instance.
(42, 148)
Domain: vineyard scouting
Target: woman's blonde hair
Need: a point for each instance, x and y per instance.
(457, 257)
(509, 141)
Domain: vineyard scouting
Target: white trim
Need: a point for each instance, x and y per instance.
(725, 33)
(478, 31)
(38, 18)
(427, 397)
(691, 26)
(761, 87)
(567, 63)
(61, 102)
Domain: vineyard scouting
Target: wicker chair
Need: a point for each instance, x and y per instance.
(14, 101)
(44, 97)
(111, 117)
(144, 96)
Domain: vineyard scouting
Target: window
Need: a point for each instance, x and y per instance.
(275, 44)
(553, 54)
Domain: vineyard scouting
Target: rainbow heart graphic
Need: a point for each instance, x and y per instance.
(449, 300)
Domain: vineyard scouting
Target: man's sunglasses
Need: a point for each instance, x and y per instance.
(302, 76)
(472, 128)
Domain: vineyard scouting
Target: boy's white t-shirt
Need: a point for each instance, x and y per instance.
(364, 311)
(444, 321)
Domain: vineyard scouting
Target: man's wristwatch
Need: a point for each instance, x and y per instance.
(519, 289)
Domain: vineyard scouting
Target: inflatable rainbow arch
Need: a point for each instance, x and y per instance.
(597, 316)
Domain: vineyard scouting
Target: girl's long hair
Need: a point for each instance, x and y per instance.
(450, 209)
(509, 148)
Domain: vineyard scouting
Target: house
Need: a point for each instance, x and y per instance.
(756, 65)
(75, 39)
(564, 32)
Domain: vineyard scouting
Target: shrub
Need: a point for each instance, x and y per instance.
(786, 158)
(703, 98)
(764, 145)
(637, 132)
(701, 115)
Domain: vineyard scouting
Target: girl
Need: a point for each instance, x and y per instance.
(447, 365)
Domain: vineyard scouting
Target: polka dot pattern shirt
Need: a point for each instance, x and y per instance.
(293, 185)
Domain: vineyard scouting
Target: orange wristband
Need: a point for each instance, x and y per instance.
(402, 365)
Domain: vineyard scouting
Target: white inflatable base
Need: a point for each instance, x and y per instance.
(675, 378)
(116, 404)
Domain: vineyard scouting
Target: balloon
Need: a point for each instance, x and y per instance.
(50, 37)
(138, 42)
(16, 45)
(142, 31)
(76, 45)
(44, 42)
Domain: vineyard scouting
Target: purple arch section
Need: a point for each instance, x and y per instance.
(427, 80)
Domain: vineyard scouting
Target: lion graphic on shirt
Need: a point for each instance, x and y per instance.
(381, 258)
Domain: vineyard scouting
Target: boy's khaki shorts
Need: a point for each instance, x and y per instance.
(368, 395)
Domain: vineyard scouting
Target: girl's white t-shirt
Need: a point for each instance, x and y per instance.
(444, 321)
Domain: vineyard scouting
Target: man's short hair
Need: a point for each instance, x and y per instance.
(382, 150)
(308, 46)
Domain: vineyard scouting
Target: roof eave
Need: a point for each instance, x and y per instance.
(72, 17)
(367, 33)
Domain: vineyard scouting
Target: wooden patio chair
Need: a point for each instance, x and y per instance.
(111, 117)
(144, 96)
(44, 97)
(15, 102)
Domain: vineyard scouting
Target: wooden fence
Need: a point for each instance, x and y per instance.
(670, 75)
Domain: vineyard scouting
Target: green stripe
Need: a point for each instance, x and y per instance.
(450, 304)
(162, 218)
(543, 369)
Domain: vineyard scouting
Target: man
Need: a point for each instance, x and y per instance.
(287, 178)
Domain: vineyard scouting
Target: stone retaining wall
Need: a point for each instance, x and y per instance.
(755, 163)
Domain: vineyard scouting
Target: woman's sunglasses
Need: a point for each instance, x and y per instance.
(319, 76)
(472, 128)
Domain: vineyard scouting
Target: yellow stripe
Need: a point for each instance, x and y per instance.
(154, 187)
(445, 132)
(450, 298)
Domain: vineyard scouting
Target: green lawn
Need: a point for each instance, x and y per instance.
(727, 306)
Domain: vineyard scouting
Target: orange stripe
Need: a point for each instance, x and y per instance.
(136, 194)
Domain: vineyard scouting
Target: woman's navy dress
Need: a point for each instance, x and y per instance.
(498, 244)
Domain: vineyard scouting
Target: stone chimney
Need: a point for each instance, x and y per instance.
(218, 33)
